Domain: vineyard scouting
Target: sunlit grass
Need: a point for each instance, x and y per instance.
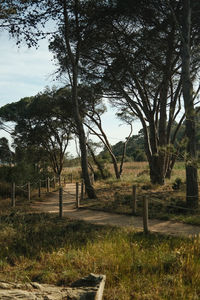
(116, 195)
(46, 249)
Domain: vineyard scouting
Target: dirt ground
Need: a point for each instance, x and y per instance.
(51, 205)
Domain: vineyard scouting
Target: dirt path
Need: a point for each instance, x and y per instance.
(104, 218)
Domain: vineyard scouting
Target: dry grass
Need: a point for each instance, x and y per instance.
(116, 195)
(46, 249)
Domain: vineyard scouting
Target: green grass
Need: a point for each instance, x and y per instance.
(43, 248)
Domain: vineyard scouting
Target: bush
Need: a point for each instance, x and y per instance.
(140, 156)
(97, 174)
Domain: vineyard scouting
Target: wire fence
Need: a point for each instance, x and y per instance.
(149, 206)
(29, 189)
(145, 204)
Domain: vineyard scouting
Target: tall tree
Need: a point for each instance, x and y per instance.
(137, 58)
(68, 18)
(74, 29)
(191, 159)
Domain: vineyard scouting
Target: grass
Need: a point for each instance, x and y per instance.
(46, 249)
(43, 248)
(164, 202)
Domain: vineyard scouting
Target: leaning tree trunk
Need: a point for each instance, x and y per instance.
(97, 163)
(82, 139)
(170, 165)
(191, 164)
(74, 61)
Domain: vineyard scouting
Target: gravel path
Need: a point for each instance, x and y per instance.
(104, 218)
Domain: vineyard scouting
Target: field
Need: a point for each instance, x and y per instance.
(46, 249)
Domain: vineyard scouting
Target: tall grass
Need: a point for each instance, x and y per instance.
(116, 195)
(46, 249)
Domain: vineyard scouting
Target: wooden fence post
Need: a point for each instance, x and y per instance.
(48, 188)
(60, 202)
(92, 178)
(82, 191)
(134, 199)
(29, 191)
(13, 194)
(39, 189)
(71, 177)
(54, 182)
(145, 215)
(77, 195)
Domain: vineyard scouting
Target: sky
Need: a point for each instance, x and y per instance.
(25, 72)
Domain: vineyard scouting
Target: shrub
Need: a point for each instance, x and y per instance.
(177, 183)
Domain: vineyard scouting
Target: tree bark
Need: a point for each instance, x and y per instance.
(82, 139)
(74, 56)
(157, 175)
(191, 164)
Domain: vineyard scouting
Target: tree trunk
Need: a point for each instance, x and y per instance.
(74, 61)
(191, 164)
(82, 139)
(155, 157)
(170, 165)
(157, 175)
(114, 161)
(97, 163)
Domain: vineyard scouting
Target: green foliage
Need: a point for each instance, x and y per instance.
(134, 151)
(71, 162)
(43, 127)
(106, 172)
(6, 155)
(105, 156)
(5, 173)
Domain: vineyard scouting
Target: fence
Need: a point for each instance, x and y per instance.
(42, 186)
(46, 185)
(145, 206)
(146, 209)
(80, 187)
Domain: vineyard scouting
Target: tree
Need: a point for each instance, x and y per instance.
(191, 159)
(135, 147)
(39, 122)
(137, 59)
(98, 161)
(19, 19)
(92, 107)
(6, 155)
(95, 126)
(73, 34)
